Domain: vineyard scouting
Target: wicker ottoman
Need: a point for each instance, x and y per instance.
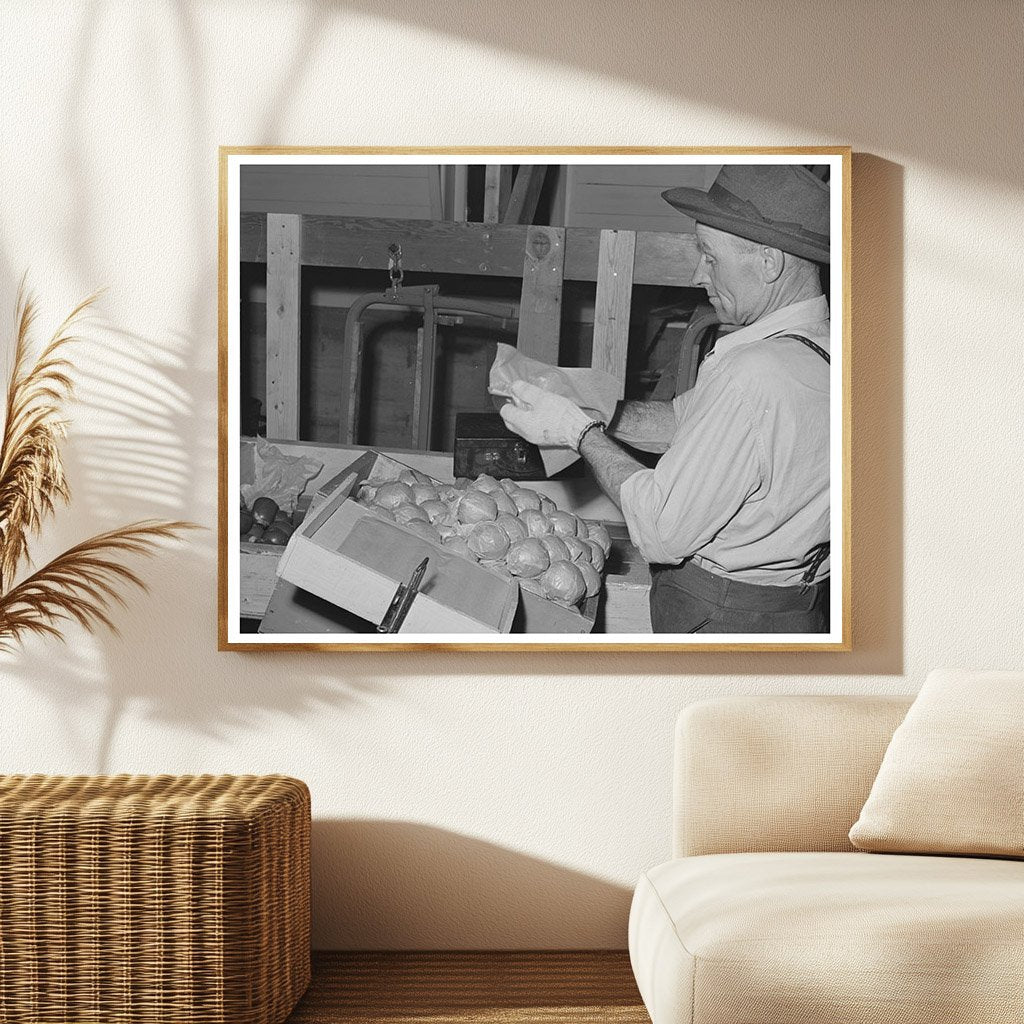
(137, 900)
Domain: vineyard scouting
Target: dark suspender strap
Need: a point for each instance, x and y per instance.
(819, 552)
(813, 346)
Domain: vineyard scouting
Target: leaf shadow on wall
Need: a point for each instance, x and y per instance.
(140, 451)
(933, 82)
(145, 442)
(405, 885)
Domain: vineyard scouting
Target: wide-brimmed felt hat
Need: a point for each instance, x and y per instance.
(781, 205)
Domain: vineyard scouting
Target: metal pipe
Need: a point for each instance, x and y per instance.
(401, 298)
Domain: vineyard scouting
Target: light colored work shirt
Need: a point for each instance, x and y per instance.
(743, 487)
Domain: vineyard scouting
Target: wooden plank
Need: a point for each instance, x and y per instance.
(540, 307)
(284, 272)
(459, 175)
(662, 257)
(522, 204)
(515, 987)
(611, 308)
(257, 577)
(497, 190)
(435, 196)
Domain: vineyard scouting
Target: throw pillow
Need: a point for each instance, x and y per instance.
(952, 779)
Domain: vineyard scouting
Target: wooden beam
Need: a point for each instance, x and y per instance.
(284, 273)
(611, 308)
(492, 193)
(497, 189)
(522, 204)
(489, 250)
(540, 307)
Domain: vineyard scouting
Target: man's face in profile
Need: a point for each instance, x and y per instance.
(731, 271)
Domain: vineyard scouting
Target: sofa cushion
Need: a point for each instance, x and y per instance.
(951, 779)
(833, 938)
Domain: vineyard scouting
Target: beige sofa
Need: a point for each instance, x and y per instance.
(768, 915)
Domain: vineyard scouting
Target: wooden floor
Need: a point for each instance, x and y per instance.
(471, 988)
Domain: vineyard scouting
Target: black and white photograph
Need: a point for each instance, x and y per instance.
(564, 399)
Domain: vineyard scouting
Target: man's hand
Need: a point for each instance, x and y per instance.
(542, 417)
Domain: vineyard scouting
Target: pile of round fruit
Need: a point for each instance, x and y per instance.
(512, 529)
(265, 522)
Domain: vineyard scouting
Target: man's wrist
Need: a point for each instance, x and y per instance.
(589, 426)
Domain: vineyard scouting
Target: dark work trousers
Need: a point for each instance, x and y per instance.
(688, 599)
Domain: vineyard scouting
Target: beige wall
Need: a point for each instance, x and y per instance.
(480, 800)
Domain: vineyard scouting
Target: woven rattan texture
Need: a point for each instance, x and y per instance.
(145, 899)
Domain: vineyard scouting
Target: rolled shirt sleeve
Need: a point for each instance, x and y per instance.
(715, 464)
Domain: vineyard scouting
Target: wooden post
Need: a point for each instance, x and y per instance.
(522, 204)
(611, 312)
(540, 308)
(497, 187)
(284, 274)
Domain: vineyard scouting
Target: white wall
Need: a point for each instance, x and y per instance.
(479, 800)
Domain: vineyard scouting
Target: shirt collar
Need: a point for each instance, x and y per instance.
(809, 311)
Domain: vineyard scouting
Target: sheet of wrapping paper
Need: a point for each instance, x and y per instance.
(594, 391)
(279, 476)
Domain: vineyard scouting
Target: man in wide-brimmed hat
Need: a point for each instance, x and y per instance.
(734, 518)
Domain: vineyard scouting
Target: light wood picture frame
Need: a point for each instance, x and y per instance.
(573, 257)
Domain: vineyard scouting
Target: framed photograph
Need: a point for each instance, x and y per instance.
(494, 399)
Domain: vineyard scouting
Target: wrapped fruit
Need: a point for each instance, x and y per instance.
(537, 524)
(513, 526)
(438, 512)
(596, 554)
(423, 492)
(365, 494)
(527, 558)
(424, 530)
(462, 482)
(245, 521)
(596, 532)
(412, 477)
(486, 483)
(591, 579)
(477, 507)
(555, 547)
(255, 534)
(564, 582)
(406, 514)
(459, 546)
(448, 492)
(563, 523)
(393, 494)
(578, 550)
(525, 499)
(582, 529)
(264, 510)
(444, 532)
(547, 506)
(504, 502)
(508, 486)
(488, 541)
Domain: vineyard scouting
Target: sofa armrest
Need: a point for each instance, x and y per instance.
(780, 773)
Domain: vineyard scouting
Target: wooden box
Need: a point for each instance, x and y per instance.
(345, 554)
(483, 444)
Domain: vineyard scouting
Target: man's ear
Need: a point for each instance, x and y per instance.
(772, 260)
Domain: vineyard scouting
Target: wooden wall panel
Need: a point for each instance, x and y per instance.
(412, 192)
(629, 195)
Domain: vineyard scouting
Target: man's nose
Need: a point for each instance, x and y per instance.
(700, 277)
